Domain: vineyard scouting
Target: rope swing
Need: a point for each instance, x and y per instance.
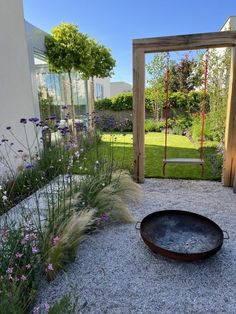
(199, 161)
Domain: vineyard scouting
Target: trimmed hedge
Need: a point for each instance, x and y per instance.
(191, 102)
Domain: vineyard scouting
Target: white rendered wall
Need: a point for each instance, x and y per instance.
(105, 82)
(120, 87)
(16, 97)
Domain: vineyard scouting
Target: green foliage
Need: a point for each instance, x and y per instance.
(67, 49)
(156, 71)
(103, 104)
(100, 62)
(123, 101)
(178, 100)
(185, 75)
(52, 162)
(196, 128)
(194, 101)
(218, 91)
(46, 106)
(19, 268)
(65, 305)
(182, 124)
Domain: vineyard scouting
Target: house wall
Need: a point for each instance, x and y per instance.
(120, 87)
(105, 82)
(16, 97)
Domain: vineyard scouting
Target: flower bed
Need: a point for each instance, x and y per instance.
(41, 234)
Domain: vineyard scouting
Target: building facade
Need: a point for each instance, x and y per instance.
(120, 87)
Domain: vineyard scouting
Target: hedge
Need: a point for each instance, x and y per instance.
(191, 102)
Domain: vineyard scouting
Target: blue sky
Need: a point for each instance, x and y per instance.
(116, 23)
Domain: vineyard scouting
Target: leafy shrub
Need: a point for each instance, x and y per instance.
(178, 100)
(182, 124)
(152, 125)
(123, 101)
(196, 128)
(194, 101)
(104, 103)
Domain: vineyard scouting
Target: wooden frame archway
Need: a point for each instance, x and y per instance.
(175, 43)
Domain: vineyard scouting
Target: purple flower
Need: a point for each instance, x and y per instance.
(35, 250)
(36, 310)
(4, 140)
(20, 151)
(8, 127)
(10, 270)
(32, 236)
(28, 266)
(23, 120)
(46, 306)
(64, 107)
(49, 267)
(29, 166)
(53, 117)
(33, 120)
(23, 277)
(55, 240)
(18, 255)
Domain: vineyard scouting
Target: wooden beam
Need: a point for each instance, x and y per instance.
(229, 169)
(139, 113)
(186, 42)
(234, 184)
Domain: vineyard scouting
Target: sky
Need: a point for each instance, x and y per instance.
(116, 23)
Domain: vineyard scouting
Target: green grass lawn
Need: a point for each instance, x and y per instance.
(121, 147)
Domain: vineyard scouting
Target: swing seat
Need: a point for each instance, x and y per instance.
(183, 161)
(192, 161)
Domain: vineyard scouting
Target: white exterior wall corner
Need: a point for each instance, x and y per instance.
(16, 97)
(120, 87)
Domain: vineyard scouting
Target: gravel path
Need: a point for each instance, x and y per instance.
(115, 272)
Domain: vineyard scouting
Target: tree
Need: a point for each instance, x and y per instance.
(100, 65)
(156, 70)
(185, 75)
(67, 50)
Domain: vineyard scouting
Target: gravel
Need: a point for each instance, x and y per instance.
(116, 273)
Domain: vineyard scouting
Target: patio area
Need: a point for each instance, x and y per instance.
(115, 272)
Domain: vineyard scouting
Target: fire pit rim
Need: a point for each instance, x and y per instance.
(181, 255)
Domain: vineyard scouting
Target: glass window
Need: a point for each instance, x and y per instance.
(99, 91)
(54, 91)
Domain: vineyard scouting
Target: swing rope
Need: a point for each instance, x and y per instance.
(167, 100)
(204, 106)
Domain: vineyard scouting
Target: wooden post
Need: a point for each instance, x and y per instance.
(139, 113)
(234, 183)
(229, 169)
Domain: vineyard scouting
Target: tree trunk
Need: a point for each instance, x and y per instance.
(92, 101)
(71, 100)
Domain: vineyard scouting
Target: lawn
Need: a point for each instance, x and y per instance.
(120, 146)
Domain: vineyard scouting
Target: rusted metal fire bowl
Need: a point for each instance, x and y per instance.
(181, 235)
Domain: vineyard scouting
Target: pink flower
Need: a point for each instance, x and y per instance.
(46, 306)
(32, 237)
(10, 270)
(18, 255)
(36, 310)
(49, 267)
(35, 250)
(23, 277)
(25, 239)
(55, 240)
(28, 266)
(10, 277)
